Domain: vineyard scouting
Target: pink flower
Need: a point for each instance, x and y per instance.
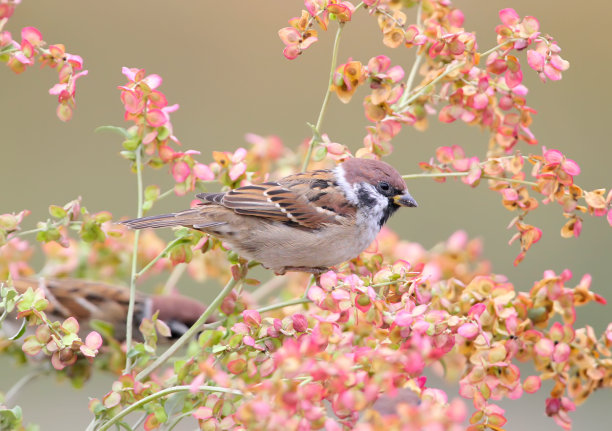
(509, 16)
(556, 158)
(180, 171)
(251, 317)
(294, 42)
(300, 324)
(203, 172)
(468, 330)
(237, 170)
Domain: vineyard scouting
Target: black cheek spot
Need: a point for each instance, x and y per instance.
(365, 199)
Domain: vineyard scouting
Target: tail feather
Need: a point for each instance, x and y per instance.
(191, 218)
(163, 220)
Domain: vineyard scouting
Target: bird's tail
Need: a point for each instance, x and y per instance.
(191, 218)
(182, 218)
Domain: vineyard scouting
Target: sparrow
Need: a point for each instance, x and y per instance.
(305, 222)
(88, 300)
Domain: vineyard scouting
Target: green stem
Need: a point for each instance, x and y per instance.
(272, 307)
(159, 256)
(52, 225)
(465, 174)
(165, 194)
(417, 61)
(284, 304)
(163, 393)
(130, 313)
(449, 69)
(197, 326)
(317, 132)
(175, 276)
(21, 383)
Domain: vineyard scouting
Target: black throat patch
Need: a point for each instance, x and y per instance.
(388, 212)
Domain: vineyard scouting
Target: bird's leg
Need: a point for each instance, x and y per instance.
(316, 271)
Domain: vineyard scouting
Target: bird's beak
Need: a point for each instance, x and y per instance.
(405, 200)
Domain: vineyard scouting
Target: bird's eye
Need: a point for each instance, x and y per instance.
(384, 187)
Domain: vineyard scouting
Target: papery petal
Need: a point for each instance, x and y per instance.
(289, 35)
(509, 16)
(156, 118)
(571, 167)
(239, 155)
(552, 73)
(130, 73)
(202, 413)
(558, 63)
(300, 323)
(75, 60)
(316, 294)
(532, 384)
(153, 81)
(481, 101)
(553, 156)
(536, 60)
(93, 340)
(203, 172)
(32, 35)
(544, 347)
(291, 52)
(513, 78)
(251, 317)
(510, 194)
(57, 89)
(396, 73)
(403, 318)
(180, 171)
(468, 330)
(341, 295)
(237, 170)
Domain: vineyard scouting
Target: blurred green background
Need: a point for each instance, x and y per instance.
(222, 62)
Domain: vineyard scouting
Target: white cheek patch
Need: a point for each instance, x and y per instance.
(378, 203)
(350, 194)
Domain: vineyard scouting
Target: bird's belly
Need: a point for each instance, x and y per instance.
(280, 246)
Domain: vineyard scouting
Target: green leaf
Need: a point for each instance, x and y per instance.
(128, 155)
(319, 154)
(119, 130)
(131, 144)
(20, 332)
(219, 348)
(90, 232)
(104, 328)
(163, 133)
(11, 418)
(151, 193)
(57, 211)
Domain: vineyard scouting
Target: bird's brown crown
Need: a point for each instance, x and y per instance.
(372, 172)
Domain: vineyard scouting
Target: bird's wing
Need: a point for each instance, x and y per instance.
(305, 200)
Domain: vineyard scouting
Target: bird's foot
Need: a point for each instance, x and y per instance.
(316, 271)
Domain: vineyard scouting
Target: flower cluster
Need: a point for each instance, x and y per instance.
(444, 311)
(349, 349)
(61, 341)
(301, 35)
(20, 55)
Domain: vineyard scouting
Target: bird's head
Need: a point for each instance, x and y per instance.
(374, 186)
